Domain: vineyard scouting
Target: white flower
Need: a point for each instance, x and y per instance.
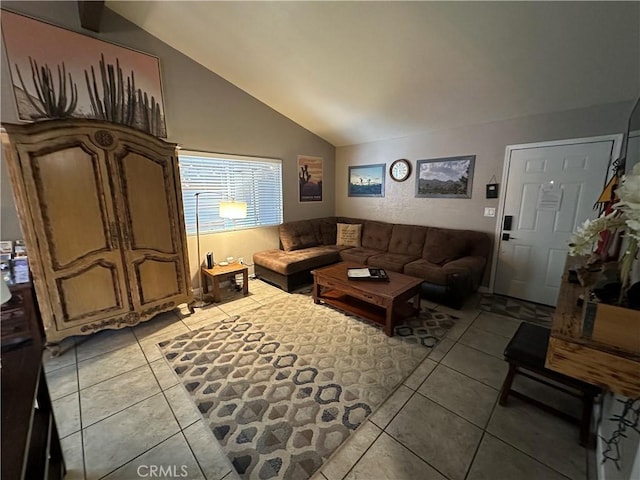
(629, 204)
(585, 238)
(626, 215)
(629, 190)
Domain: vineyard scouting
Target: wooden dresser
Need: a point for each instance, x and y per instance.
(30, 443)
(569, 352)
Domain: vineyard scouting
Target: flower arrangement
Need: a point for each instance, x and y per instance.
(625, 216)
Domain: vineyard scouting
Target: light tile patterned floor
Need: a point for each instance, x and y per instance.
(121, 412)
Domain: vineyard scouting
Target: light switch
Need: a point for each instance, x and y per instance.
(489, 212)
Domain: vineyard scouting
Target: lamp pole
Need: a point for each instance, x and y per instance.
(234, 210)
(200, 303)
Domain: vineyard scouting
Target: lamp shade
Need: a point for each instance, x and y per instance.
(233, 209)
(5, 294)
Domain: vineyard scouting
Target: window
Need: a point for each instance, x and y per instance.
(220, 178)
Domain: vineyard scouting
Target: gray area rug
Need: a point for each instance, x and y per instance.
(518, 309)
(283, 386)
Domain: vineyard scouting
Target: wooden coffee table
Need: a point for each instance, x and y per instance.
(385, 303)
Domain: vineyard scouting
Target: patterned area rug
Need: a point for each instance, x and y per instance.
(284, 385)
(518, 309)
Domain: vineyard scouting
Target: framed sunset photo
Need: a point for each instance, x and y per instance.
(366, 180)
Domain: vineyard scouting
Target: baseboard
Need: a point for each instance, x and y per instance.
(482, 289)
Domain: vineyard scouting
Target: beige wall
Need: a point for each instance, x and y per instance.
(486, 141)
(203, 112)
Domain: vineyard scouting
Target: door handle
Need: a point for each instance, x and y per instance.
(507, 236)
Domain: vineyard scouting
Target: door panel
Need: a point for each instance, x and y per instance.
(531, 262)
(90, 291)
(157, 279)
(149, 218)
(78, 168)
(79, 243)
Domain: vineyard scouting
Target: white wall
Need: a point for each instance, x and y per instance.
(487, 141)
(203, 112)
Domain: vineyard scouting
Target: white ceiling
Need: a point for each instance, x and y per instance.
(355, 72)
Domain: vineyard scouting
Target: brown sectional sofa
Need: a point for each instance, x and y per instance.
(451, 262)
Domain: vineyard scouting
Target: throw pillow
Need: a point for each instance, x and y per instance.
(349, 234)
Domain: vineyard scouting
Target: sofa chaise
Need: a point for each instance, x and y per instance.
(451, 262)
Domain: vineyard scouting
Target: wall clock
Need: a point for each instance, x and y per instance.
(400, 170)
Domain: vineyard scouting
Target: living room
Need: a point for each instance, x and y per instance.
(223, 118)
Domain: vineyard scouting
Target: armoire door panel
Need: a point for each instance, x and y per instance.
(158, 279)
(89, 293)
(60, 177)
(145, 185)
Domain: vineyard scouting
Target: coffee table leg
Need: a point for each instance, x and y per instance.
(388, 324)
(245, 281)
(316, 292)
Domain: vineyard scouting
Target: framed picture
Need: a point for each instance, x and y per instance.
(309, 179)
(449, 177)
(57, 73)
(367, 180)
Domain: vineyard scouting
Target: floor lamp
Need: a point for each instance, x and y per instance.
(230, 209)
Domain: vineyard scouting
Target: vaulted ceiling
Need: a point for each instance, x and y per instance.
(355, 72)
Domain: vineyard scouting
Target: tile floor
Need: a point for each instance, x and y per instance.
(120, 410)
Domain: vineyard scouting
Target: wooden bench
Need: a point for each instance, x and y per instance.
(526, 353)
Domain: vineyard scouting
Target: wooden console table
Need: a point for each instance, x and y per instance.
(570, 353)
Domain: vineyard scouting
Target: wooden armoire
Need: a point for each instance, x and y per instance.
(100, 207)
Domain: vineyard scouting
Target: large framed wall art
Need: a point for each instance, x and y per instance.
(57, 73)
(450, 177)
(309, 179)
(367, 180)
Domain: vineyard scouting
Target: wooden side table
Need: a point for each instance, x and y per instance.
(221, 271)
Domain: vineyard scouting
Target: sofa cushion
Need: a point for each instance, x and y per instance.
(394, 262)
(376, 235)
(297, 235)
(358, 254)
(289, 262)
(428, 271)
(469, 269)
(325, 230)
(348, 234)
(444, 245)
(407, 240)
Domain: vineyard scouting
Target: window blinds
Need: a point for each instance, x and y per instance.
(218, 178)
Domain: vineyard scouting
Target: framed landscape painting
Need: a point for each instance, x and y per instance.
(309, 179)
(367, 180)
(58, 73)
(450, 177)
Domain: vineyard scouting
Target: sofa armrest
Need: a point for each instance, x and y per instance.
(472, 264)
(475, 263)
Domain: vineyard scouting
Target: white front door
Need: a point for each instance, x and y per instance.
(550, 190)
